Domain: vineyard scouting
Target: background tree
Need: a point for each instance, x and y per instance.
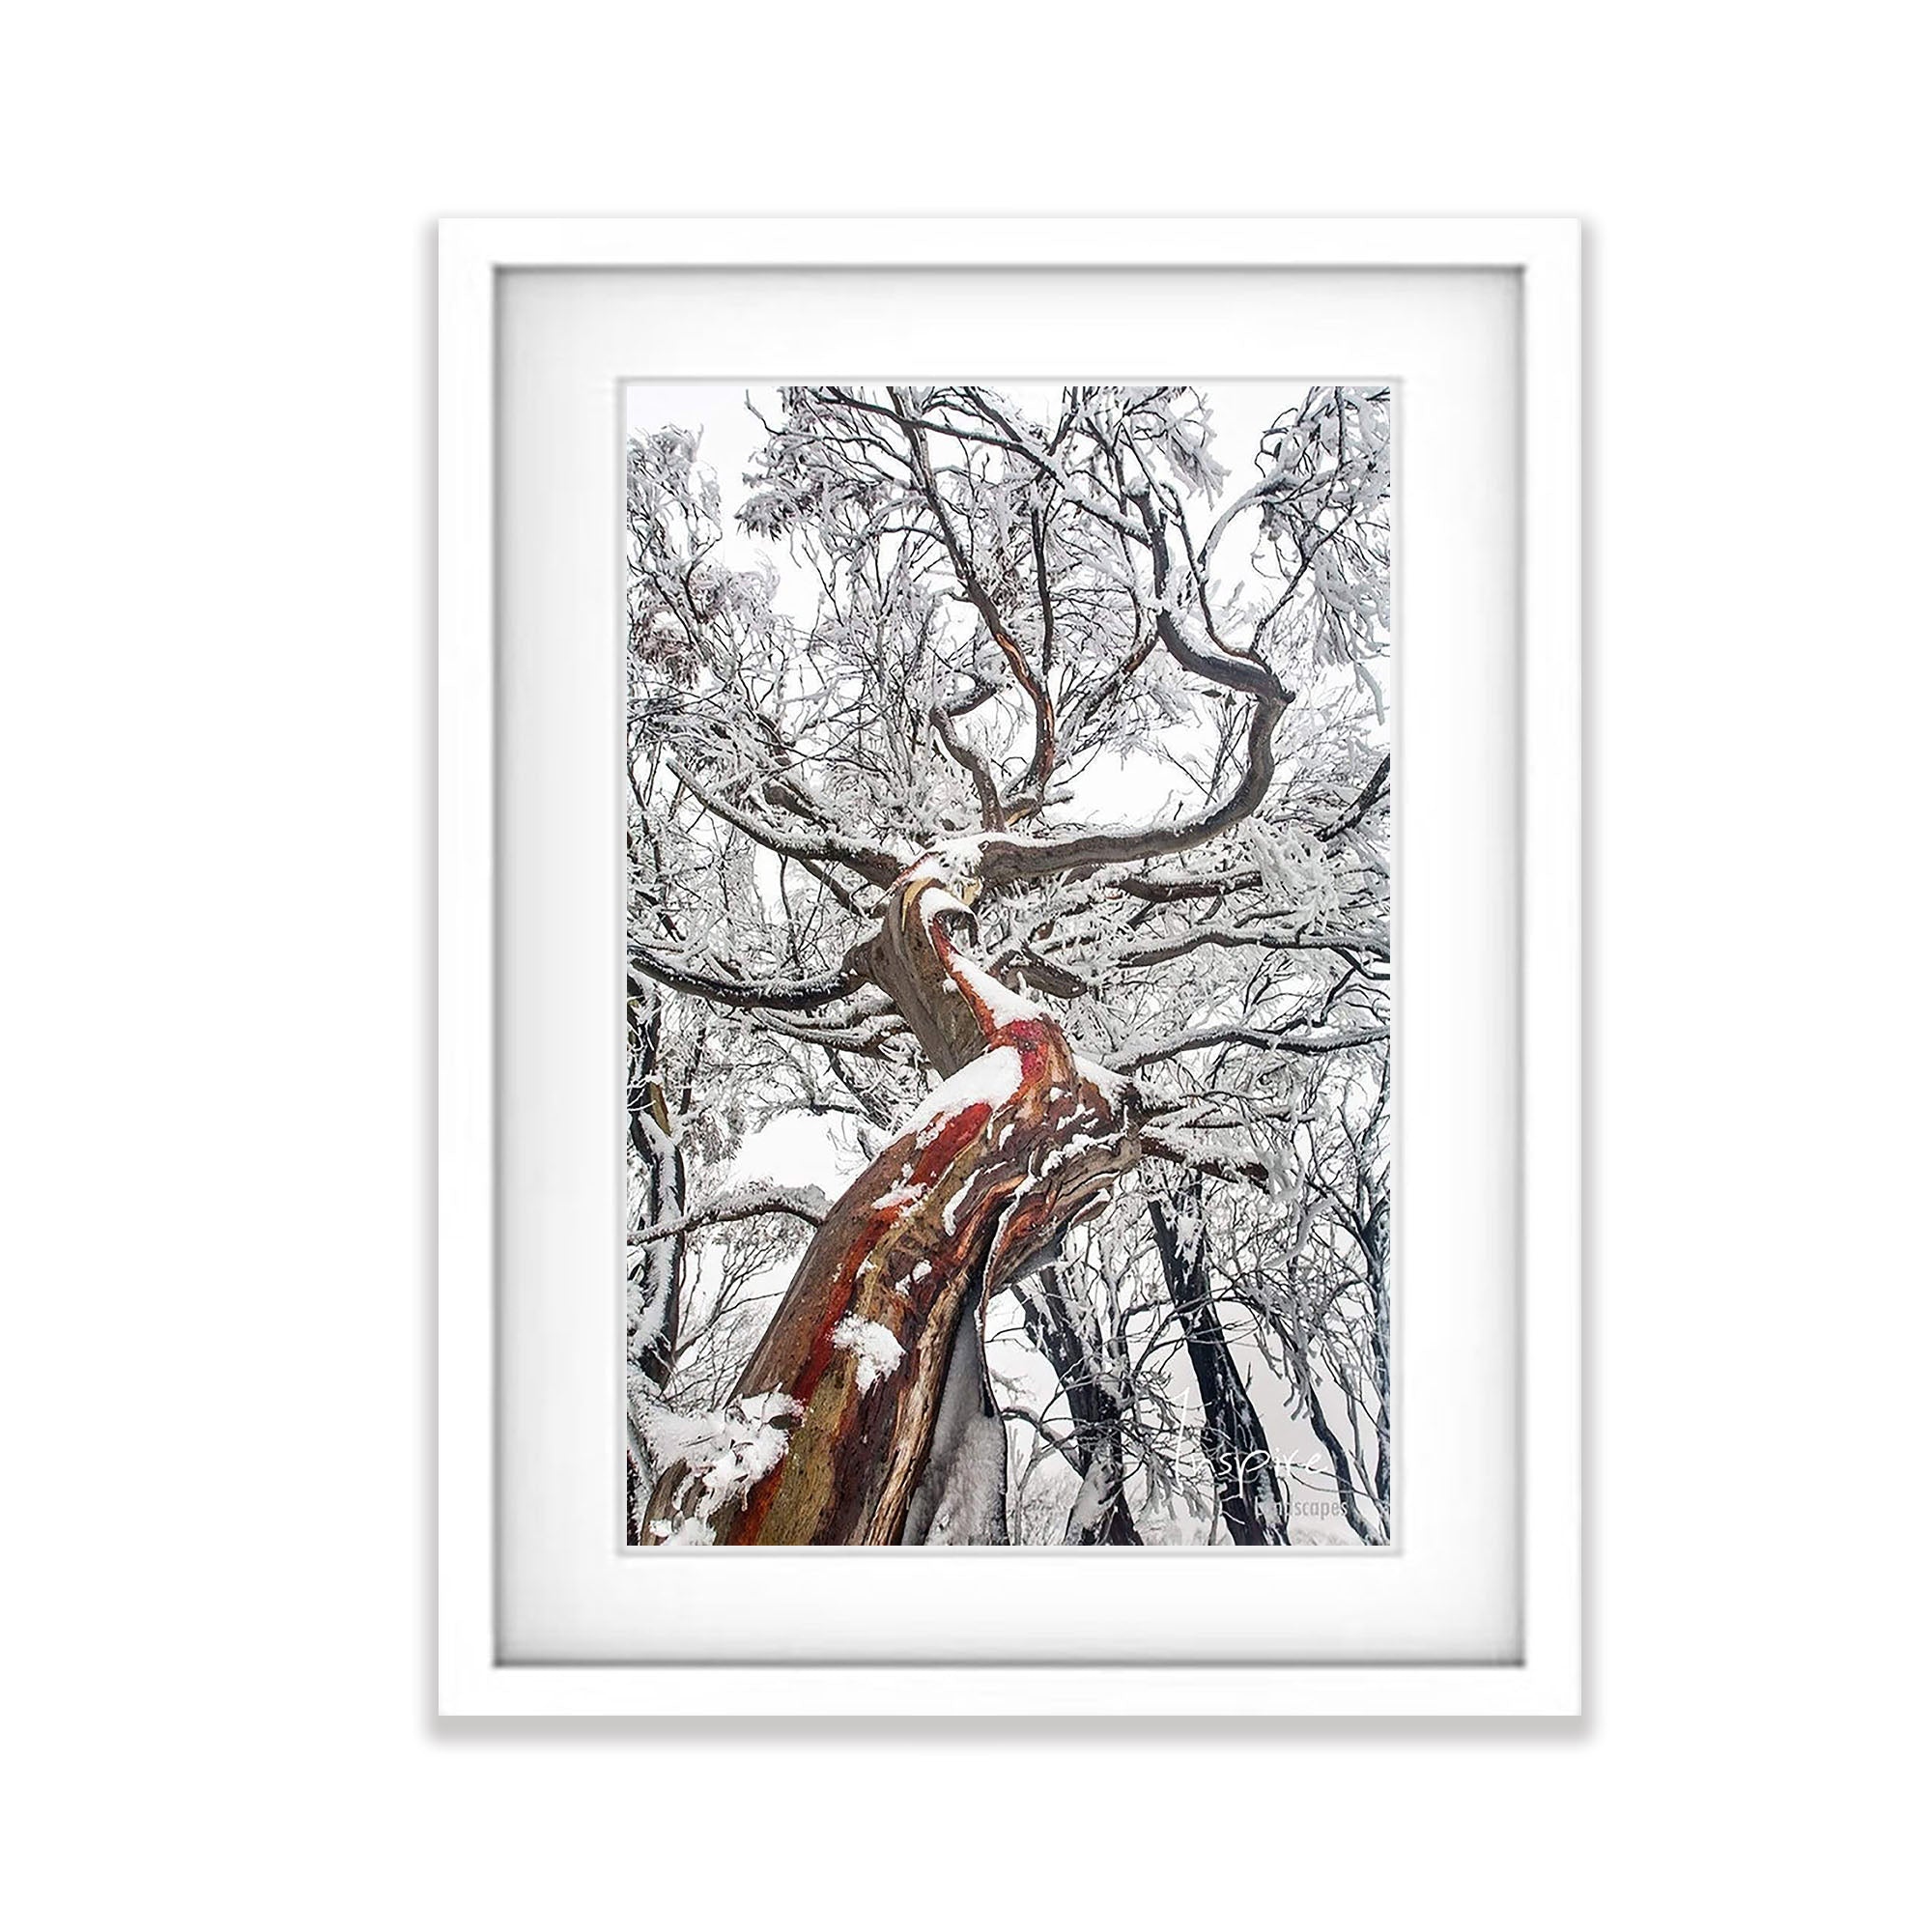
(1038, 850)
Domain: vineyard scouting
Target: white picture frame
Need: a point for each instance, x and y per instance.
(1545, 1677)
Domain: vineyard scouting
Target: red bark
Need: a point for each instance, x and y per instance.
(1012, 1150)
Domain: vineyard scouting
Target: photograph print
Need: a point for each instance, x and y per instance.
(1008, 1118)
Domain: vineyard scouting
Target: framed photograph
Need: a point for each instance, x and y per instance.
(1011, 967)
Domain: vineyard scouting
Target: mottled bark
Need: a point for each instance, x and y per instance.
(1015, 1146)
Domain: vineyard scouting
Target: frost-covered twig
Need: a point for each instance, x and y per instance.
(742, 1203)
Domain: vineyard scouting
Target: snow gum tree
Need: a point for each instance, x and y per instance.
(1027, 822)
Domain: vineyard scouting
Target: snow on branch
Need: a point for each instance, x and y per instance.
(865, 1035)
(783, 995)
(872, 863)
(1221, 1158)
(743, 1202)
(1007, 860)
(725, 1453)
(1157, 953)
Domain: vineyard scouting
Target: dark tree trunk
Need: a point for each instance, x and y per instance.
(1063, 1332)
(1338, 1459)
(1361, 1486)
(658, 1275)
(1378, 1249)
(1253, 1501)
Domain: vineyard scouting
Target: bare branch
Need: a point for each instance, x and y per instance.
(973, 762)
(872, 863)
(1275, 1040)
(780, 995)
(1377, 784)
(1044, 751)
(1157, 953)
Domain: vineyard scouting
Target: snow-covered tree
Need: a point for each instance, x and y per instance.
(1009, 794)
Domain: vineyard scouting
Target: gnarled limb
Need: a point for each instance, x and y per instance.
(1004, 859)
(780, 995)
(984, 1183)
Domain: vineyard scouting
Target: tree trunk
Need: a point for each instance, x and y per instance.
(1253, 1502)
(839, 1404)
(1065, 1333)
(962, 1495)
(657, 1276)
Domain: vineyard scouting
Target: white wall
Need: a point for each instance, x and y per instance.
(218, 513)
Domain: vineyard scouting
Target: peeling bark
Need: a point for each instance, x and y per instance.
(1018, 1143)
